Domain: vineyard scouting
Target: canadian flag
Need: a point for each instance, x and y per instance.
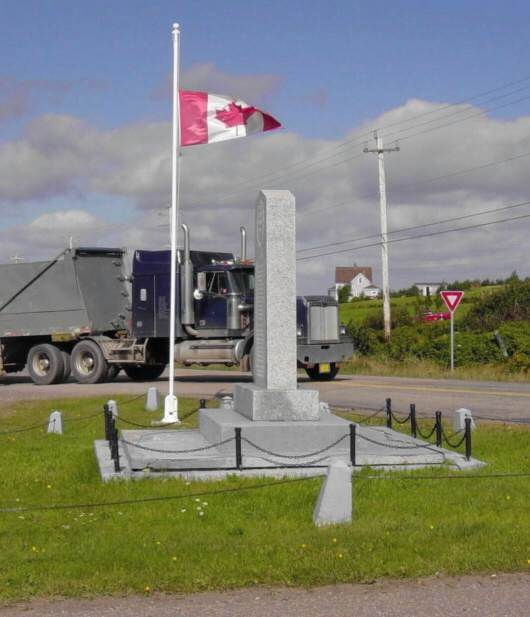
(207, 118)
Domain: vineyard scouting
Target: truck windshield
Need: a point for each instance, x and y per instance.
(243, 281)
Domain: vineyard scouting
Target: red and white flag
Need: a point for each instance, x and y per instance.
(208, 118)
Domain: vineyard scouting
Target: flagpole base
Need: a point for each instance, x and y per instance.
(171, 406)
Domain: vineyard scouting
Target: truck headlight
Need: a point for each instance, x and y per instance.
(342, 330)
(299, 332)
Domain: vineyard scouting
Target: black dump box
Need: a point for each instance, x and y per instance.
(81, 291)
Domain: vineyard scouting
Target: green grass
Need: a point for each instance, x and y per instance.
(401, 528)
(360, 309)
(411, 367)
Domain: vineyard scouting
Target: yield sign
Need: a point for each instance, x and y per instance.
(452, 299)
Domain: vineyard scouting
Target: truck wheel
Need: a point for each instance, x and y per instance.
(143, 372)
(113, 371)
(315, 375)
(88, 363)
(45, 364)
(67, 366)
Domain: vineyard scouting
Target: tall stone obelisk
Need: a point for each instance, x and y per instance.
(274, 394)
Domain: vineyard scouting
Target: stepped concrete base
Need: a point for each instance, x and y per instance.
(195, 455)
(217, 425)
(276, 405)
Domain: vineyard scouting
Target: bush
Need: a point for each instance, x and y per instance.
(511, 303)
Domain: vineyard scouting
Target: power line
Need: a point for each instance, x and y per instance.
(399, 187)
(355, 140)
(428, 235)
(402, 229)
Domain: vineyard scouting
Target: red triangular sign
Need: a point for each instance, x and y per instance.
(452, 299)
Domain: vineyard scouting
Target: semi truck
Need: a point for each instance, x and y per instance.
(91, 312)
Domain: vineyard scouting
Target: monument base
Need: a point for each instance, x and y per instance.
(217, 425)
(260, 404)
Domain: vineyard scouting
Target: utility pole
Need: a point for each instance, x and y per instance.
(380, 151)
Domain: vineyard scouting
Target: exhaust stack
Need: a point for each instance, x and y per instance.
(243, 232)
(186, 282)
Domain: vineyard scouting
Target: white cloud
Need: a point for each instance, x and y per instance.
(337, 199)
(209, 78)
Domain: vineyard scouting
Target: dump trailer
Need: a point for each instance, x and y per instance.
(92, 312)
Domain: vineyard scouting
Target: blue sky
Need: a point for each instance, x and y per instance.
(357, 58)
(85, 107)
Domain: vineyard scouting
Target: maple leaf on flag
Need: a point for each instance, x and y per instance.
(234, 114)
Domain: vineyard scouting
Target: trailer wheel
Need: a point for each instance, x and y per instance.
(314, 373)
(113, 371)
(88, 363)
(45, 364)
(67, 365)
(143, 372)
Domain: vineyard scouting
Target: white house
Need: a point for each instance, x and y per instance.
(359, 278)
(372, 291)
(428, 289)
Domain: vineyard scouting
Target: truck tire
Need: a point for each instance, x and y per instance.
(113, 371)
(88, 363)
(67, 365)
(315, 375)
(143, 372)
(45, 364)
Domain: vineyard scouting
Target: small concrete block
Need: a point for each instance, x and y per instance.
(55, 423)
(113, 406)
(334, 505)
(152, 400)
(258, 403)
(226, 402)
(459, 419)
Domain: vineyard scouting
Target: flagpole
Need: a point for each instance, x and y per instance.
(171, 402)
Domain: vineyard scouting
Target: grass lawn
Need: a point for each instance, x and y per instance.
(401, 528)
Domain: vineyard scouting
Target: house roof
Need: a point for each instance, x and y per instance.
(345, 274)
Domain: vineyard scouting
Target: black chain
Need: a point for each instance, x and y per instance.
(312, 463)
(447, 439)
(423, 435)
(25, 429)
(386, 445)
(403, 421)
(188, 451)
(294, 456)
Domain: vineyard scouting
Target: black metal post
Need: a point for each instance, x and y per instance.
(439, 428)
(202, 403)
(112, 437)
(239, 458)
(116, 449)
(353, 435)
(413, 425)
(107, 415)
(388, 408)
(468, 438)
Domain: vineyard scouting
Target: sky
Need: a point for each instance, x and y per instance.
(85, 129)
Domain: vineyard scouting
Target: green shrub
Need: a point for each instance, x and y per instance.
(510, 303)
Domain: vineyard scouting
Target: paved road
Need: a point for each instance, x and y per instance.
(504, 595)
(493, 399)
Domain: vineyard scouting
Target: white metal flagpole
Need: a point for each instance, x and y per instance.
(171, 402)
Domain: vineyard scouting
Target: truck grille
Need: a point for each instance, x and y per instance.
(323, 323)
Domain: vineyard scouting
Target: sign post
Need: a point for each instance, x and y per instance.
(452, 299)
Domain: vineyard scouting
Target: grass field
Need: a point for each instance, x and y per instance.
(386, 367)
(360, 309)
(402, 528)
